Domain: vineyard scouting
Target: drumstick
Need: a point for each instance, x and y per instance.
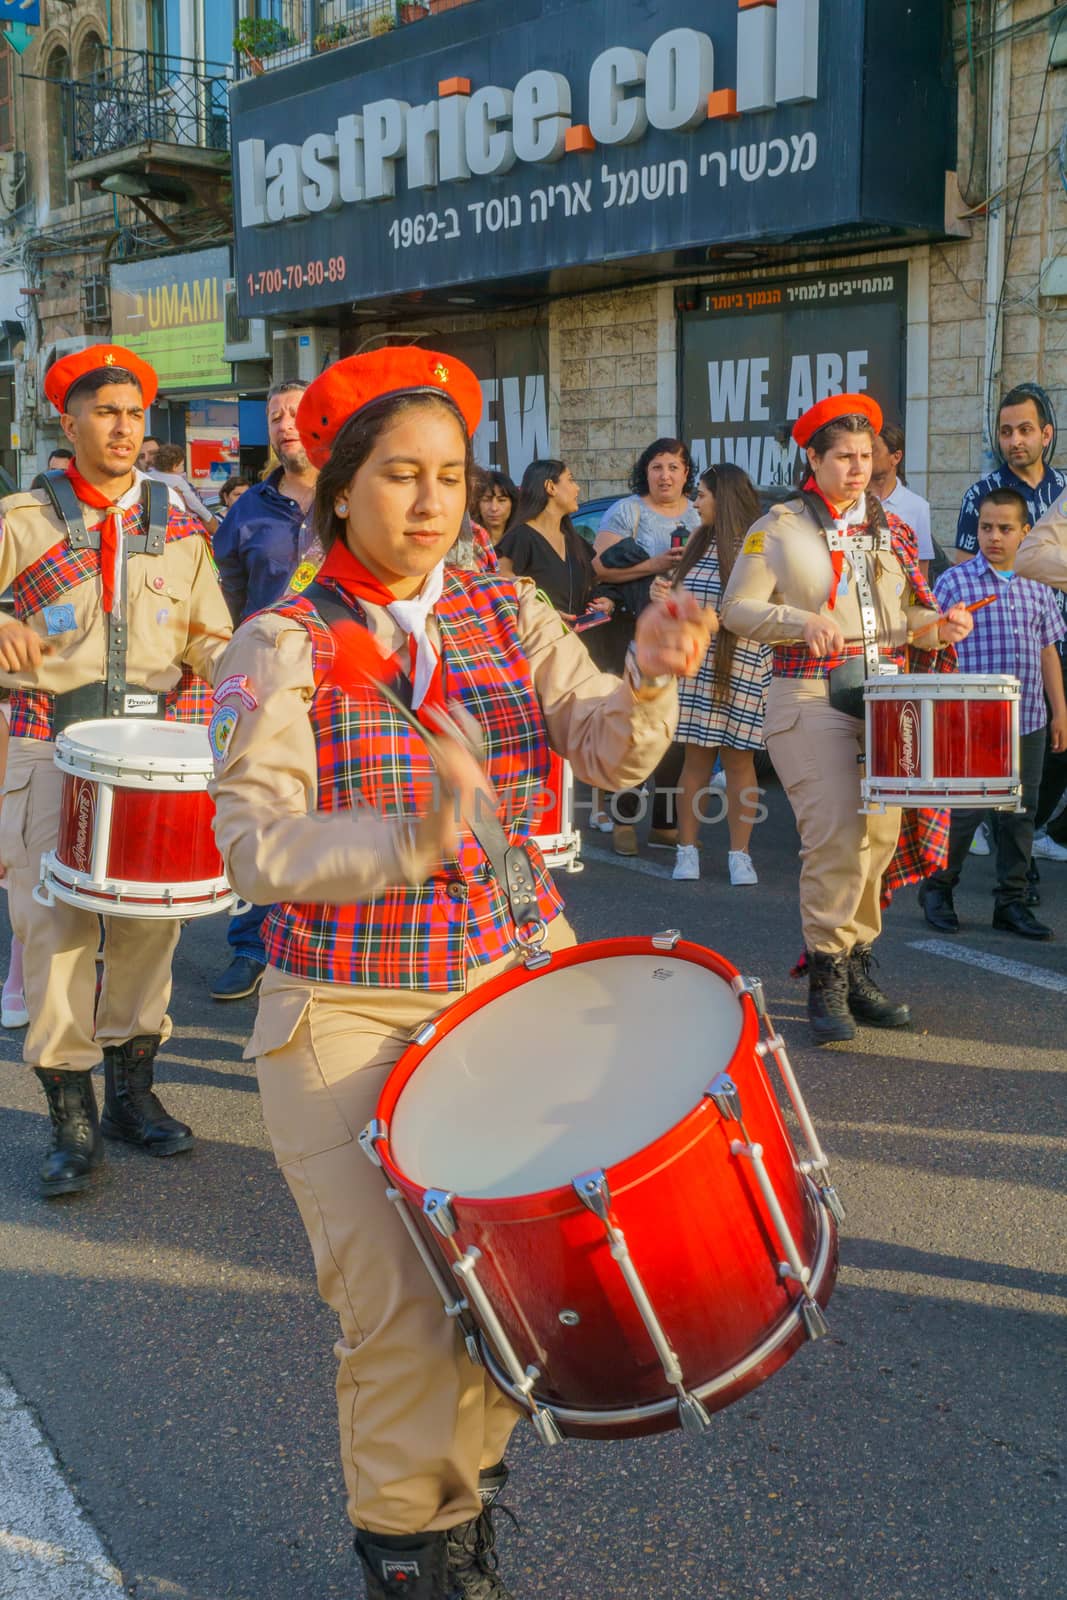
(975, 605)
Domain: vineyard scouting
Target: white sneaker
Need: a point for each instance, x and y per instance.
(13, 1013)
(742, 871)
(980, 842)
(687, 864)
(1048, 849)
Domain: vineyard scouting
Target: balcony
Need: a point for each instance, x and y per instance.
(297, 29)
(152, 127)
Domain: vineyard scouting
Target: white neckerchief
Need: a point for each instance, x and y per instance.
(410, 616)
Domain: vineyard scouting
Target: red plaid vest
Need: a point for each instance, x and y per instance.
(54, 575)
(427, 935)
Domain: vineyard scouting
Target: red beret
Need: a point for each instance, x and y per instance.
(62, 377)
(349, 385)
(829, 410)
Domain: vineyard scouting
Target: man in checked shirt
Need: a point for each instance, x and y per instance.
(1018, 635)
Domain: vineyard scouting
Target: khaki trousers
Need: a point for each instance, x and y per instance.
(418, 1420)
(843, 853)
(60, 942)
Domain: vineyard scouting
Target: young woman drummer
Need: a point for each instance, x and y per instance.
(821, 578)
(385, 907)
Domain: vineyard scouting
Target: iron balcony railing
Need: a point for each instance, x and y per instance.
(292, 30)
(141, 97)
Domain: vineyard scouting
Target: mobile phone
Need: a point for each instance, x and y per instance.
(679, 536)
(590, 619)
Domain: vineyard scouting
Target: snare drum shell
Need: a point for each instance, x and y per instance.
(698, 1231)
(153, 835)
(947, 740)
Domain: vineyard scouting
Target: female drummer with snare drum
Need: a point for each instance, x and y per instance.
(831, 582)
(387, 906)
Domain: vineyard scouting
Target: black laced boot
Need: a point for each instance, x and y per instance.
(828, 1011)
(131, 1111)
(412, 1565)
(865, 1000)
(472, 1557)
(76, 1147)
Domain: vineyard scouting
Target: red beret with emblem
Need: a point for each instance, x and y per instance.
(350, 385)
(830, 410)
(64, 374)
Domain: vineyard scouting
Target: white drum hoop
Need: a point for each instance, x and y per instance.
(138, 767)
(119, 897)
(930, 790)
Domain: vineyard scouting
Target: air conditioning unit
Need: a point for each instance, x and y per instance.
(246, 338)
(300, 354)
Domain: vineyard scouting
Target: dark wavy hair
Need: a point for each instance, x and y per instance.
(661, 447)
(485, 478)
(353, 445)
(737, 506)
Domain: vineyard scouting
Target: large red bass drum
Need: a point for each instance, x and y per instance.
(592, 1162)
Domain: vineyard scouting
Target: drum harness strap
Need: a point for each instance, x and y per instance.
(845, 682)
(115, 696)
(509, 863)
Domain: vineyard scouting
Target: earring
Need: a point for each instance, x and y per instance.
(341, 510)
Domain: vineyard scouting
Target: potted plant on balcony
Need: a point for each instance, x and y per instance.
(257, 37)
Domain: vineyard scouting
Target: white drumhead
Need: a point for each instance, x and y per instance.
(577, 1069)
(127, 748)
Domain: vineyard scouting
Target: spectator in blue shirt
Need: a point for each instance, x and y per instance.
(1018, 636)
(260, 540)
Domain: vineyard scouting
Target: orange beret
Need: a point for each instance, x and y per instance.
(349, 385)
(64, 374)
(836, 405)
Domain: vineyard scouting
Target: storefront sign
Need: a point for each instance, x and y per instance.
(171, 311)
(756, 355)
(512, 367)
(536, 138)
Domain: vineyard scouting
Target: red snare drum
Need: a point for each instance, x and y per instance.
(949, 739)
(135, 828)
(554, 832)
(594, 1150)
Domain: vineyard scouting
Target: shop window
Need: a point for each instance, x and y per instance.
(60, 187)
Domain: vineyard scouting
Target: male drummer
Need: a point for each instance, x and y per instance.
(117, 611)
(1016, 635)
(831, 582)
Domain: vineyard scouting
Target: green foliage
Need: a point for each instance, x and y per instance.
(262, 36)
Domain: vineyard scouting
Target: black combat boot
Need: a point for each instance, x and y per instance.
(131, 1111)
(828, 1011)
(413, 1565)
(76, 1147)
(865, 1000)
(472, 1558)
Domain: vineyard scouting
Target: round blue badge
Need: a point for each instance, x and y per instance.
(220, 731)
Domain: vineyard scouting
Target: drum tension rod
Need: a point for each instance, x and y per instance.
(369, 1138)
(593, 1191)
(726, 1097)
(774, 1046)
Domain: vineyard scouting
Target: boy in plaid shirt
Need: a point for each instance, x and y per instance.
(1018, 635)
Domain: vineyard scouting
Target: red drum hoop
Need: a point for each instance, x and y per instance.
(942, 739)
(636, 1247)
(136, 835)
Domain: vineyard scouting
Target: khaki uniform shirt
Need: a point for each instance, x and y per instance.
(274, 843)
(1043, 553)
(175, 612)
(783, 578)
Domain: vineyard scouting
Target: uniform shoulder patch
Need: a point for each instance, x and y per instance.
(220, 732)
(754, 542)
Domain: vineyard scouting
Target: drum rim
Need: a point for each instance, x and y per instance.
(82, 760)
(943, 686)
(560, 1199)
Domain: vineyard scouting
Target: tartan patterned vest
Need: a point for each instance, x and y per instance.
(46, 583)
(423, 936)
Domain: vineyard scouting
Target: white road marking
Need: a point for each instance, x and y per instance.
(48, 1548)
(1040, 977)
(649, 869)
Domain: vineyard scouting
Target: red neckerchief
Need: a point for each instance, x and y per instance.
(356, 580)
(837, 557)
(110, 530)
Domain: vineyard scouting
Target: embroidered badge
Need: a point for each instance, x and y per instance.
(220, 732)
(157, 583)
(753, 545)
(303, 575)
(237, 686)
(162, 615)
(59, 619)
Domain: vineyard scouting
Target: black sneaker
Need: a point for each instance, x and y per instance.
(241, 979)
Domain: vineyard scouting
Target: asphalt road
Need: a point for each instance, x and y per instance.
(165, 1334)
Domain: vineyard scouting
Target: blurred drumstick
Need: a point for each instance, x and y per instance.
(975, 605)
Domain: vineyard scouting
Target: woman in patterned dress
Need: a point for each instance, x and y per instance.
(721, 709)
